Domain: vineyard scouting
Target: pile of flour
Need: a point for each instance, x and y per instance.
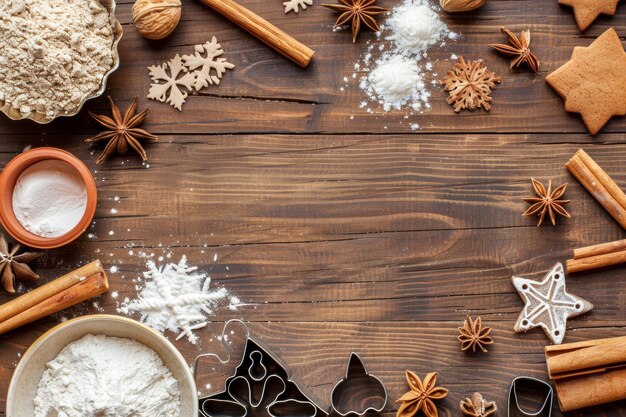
(398, 78)
(175, 297)
(100, 376)
(53, 53)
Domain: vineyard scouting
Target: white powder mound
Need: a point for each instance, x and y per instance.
(396, 81)
(49, 198)
(175, 298)
(415, 27)
(394, 73)
(100, 376)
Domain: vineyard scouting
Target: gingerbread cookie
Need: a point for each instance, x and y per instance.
(586, 11)
(593, 82)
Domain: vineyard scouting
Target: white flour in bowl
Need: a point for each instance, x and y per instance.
(101, 376)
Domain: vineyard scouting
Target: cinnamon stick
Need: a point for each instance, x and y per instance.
(263, 30)
(46, 291)
(588, 373)
(604, 178)
(597, 256)
(601, 249)
(599, 184)
(55, 296)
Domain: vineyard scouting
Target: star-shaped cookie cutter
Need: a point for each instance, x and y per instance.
(548, 304)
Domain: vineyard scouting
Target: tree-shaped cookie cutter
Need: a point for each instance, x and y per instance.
(262, 387)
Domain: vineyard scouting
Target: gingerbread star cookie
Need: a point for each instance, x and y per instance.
(548, 304)
(586, 11)
(593, 82)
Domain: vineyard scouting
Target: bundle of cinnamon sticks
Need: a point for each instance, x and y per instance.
(597, 256)
(73, 288)
(599, 184)
(588, 373)
(613, 199)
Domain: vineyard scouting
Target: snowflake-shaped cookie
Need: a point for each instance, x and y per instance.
(292, 5)
(204, 77)
(179, 76)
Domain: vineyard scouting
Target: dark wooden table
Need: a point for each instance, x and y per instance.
(342, 230)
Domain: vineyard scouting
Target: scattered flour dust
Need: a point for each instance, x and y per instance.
(396, 76)
(176, 298)
(107, 377)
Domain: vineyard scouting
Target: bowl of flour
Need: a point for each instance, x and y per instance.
(55, 55)
(102, 366)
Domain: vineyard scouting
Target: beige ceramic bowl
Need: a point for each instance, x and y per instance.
(15, 114)
(29, 371)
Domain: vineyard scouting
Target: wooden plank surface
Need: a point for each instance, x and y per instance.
(342, 230)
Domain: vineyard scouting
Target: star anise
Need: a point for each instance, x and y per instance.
(122, 131)
(14, 264)
(547, 201)
(477, 406)
(518, 48)
(469, 85)
(357, 11)
(421, 396)
(473, 335)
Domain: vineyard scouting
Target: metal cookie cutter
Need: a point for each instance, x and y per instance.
(537, 387)
(260, 386)
(358, 392)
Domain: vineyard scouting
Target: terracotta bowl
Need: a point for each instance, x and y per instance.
(9, 177)
(23, 387)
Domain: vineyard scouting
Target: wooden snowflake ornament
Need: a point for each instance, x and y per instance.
(293, 5)
(548, 304)
(163, 82)
(206, 65)
(189, 73)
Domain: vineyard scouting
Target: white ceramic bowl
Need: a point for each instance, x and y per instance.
(29, 371)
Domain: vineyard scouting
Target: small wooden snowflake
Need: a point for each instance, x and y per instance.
(189, 73)
(293, 5)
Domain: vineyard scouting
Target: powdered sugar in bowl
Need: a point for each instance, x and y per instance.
(48, 198)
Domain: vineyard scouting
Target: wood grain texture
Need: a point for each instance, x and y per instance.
(342, 230)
